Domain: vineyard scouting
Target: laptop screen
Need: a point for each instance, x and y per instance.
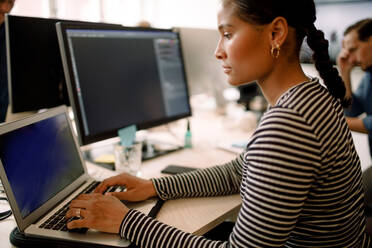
(40, 160)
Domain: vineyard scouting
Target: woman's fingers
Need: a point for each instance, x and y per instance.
(112, 181)
(80, 223)
(133, 195)
(104, 185)
(76, 212)
(102, 212)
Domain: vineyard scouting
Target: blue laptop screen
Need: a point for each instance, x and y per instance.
(40, 160)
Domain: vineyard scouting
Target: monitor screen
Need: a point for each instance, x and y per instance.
(35, 73)
(122, 76)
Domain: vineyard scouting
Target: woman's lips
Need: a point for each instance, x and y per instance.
(226, 69)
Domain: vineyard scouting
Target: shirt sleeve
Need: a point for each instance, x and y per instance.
(367, 121)
(279, 171)
(147, 232)
(218, 180)
(357, 107)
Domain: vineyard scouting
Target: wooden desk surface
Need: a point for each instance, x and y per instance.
(194, 215)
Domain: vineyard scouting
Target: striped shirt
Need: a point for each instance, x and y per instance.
(299, 180)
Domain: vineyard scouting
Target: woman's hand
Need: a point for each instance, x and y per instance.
(138, 189)
(101, 212)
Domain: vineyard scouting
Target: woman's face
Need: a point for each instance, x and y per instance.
(243, 48)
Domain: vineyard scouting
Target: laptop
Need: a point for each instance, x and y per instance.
(42, 170)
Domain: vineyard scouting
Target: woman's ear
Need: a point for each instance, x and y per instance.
(278, 30)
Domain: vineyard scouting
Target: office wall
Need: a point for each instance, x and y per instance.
(87, 10)
(333, 16)
(161, 13)
(38, 8)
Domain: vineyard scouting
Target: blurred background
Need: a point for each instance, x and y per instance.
(160, 13)
(198, 20)
(332, 15)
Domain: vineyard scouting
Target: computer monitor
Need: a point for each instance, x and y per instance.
(204, 71)
(122, 76)
(35, 73)
(248, 92)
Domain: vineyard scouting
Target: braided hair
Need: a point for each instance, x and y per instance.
(301, 18)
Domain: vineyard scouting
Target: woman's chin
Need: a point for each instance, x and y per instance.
(234, 82)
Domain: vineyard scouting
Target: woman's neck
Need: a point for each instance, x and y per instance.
(280, 80)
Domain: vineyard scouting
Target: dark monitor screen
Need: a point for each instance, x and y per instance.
(35, 73)
(122, 76)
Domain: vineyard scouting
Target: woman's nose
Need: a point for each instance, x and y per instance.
(218, 53)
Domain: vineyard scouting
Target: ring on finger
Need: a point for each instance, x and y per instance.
(78, 212)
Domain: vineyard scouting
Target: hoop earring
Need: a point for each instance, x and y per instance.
(275, 51)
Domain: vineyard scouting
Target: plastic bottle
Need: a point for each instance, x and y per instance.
(188, 143)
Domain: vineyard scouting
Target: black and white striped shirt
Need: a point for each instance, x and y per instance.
(299, 180)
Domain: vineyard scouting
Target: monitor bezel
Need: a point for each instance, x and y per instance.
(85, 139)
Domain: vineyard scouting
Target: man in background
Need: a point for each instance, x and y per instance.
(357, 51)
(5, 7)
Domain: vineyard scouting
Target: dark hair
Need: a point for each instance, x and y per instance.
(4, 1)
(362, 27)
(301, 18)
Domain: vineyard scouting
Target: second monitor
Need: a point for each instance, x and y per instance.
(35, 74)
(118, 77)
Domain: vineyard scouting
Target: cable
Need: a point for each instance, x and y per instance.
(5, 214)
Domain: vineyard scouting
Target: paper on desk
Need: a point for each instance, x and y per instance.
(105, 159)
(127, 135)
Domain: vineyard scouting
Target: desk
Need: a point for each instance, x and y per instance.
(194, 215)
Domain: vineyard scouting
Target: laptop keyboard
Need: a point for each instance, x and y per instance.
(59, 222)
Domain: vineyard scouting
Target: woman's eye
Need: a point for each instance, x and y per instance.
(227, 35)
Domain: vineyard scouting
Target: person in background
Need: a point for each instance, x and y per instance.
(357, 51)
(144, 24)
(300, 177)
(5, 7)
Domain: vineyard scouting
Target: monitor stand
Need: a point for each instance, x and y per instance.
(104, 155)
(152, 149)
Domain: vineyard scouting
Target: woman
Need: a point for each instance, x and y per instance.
(300, 178)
